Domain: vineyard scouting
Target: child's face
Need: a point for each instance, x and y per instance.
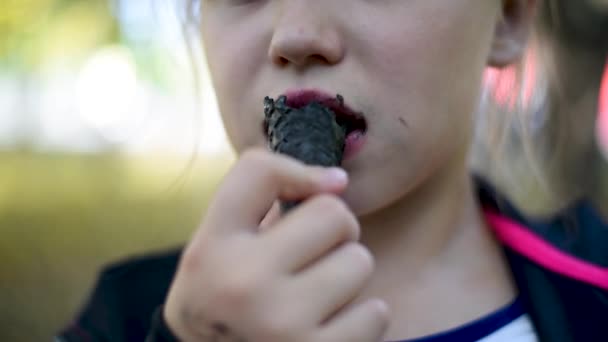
(412, 67)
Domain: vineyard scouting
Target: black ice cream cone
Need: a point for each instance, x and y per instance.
(309, 134)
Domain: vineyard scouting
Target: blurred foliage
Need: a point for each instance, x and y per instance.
(36, 32)
(63, 217)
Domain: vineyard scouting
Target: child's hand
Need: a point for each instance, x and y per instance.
(297, 280)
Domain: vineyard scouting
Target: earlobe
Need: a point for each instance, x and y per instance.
(512, 32)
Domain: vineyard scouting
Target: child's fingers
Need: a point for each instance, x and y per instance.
(272, 216)
(363, 322)
(258, 179)
(341, 276)
(310, 232)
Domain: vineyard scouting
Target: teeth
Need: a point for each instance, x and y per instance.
(355, 135)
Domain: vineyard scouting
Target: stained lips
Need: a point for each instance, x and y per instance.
(345, 116)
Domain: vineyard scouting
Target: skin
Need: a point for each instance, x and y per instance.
(404, 228)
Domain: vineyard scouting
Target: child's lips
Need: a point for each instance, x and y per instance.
(347, 117)
(354, 122)
(354, 143)
(301, 97)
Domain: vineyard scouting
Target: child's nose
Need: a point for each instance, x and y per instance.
(304, 33)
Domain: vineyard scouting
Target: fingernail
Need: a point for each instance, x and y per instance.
(336, 176)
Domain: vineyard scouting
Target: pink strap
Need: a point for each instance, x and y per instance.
(531, 246)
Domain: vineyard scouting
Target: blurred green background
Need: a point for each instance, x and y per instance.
(109, 148)
(105, 150)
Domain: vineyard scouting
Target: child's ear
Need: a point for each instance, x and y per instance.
(512, 31)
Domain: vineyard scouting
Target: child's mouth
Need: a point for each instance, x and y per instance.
(354, 123)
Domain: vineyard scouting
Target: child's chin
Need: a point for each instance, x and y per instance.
(360, 203)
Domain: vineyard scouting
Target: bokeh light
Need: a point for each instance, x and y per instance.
(107, 93)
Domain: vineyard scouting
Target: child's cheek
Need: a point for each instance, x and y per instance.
(235, 55)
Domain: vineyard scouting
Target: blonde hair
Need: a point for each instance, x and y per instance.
(535, 145)
(509, 117)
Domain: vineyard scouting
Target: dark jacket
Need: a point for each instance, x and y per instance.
(560, 266)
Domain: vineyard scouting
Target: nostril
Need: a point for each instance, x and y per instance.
(319, 58)
(312, 59)
(279, 60)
